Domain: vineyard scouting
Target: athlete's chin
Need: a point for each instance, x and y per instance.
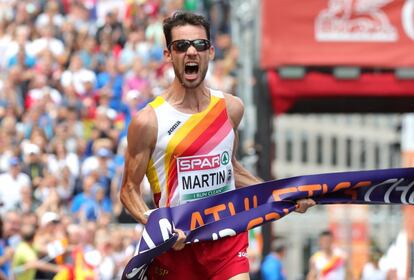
(191, 84)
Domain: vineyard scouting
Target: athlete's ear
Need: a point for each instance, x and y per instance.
(211, 53)
(167, 55)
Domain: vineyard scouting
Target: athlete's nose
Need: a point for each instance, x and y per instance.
(191, 50)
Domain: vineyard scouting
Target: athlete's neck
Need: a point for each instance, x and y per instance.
(328, 252)
(191, 100)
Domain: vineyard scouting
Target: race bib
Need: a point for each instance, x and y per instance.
(204, 176)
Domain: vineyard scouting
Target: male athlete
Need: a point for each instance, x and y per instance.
(184, 142)
(329, 263)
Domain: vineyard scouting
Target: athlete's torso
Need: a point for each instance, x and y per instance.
(330, 268)
(192, 155)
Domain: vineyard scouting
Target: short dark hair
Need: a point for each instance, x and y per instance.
(326, 233)
(278, 245)
(181, 18)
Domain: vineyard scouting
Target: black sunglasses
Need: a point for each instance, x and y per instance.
(182, 45)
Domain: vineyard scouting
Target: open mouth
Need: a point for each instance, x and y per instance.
(191, 70)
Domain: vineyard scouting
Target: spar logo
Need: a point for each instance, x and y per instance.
(197, 163)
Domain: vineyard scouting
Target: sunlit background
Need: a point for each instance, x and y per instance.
(328, 85)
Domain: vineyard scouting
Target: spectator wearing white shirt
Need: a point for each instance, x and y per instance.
(47, 41)
(42, 92)
(11, 183)
(82, 79)
(61, 158)
(50, 16)
(20, 38)
(372, 269)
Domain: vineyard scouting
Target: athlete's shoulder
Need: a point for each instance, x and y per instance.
(232, 98)
(235, 108)
(143, 128)
(317, 255)
(144, 118)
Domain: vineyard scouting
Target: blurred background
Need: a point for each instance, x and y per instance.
(328, 85)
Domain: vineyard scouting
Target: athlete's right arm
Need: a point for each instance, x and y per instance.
(312, 274)
(142, 135)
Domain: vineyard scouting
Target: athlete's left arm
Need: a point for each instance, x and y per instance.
(242, 176)
(235, 110)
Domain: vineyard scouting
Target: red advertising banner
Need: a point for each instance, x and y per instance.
(284, 93)
(337, 32)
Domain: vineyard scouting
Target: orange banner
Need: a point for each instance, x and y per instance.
(337, 32)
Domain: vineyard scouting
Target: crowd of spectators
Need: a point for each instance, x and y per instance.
(72, 75)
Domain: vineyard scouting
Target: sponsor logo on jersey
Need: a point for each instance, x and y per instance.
(174, 127)
(204, 175)
(199, 163)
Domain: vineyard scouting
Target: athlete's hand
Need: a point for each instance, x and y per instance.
(303, 204)
(180, 243)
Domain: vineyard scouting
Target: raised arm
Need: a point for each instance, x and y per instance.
(142, 134)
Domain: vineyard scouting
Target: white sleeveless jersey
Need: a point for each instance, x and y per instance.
(192, 156)
(330, 268)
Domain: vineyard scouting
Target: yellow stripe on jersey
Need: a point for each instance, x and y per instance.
(183, 131)
(153, 177)
(158, 101)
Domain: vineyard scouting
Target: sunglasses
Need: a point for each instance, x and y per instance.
(182, 45)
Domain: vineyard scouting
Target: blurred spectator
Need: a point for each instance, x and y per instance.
(11, 184)
(111, 29)
(82, 79)
(26, 205)
(104, 131)
(22, 59)
(84, 207)
(137, 78)
(6, 254)
(102, 258)
(47, 187)
(48, 42)
(25, 260)
(47, 66)
(33, 164)
(120, 254)
(20, 41)
(88, 53)
(40, 91)
(329, 262)
(50, 242)
(78, 16)
(219, 79)
(51, 202)
(30, 218)
(50, 16)
(38, 126)
(371, 270)
(111, 79)
(135, 49)
(272, 266)
(101, 163)
(60, 159)
(154, 32)
(11, 227)
(11, 135)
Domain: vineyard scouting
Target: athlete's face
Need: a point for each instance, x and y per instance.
(325, 242)
(190, 65)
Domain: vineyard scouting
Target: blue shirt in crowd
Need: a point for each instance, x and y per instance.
(272, 268)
